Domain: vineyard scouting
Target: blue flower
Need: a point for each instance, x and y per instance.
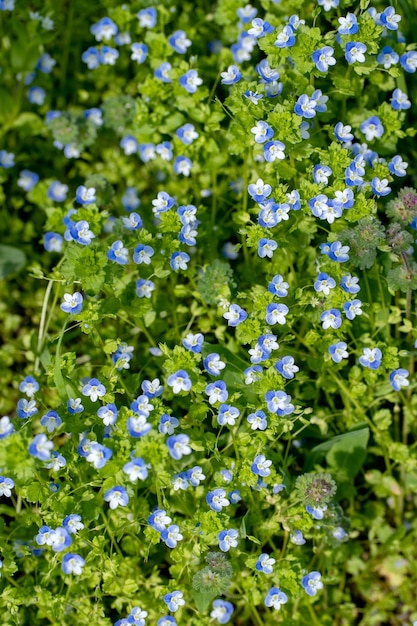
(36, 95)
(324, 283)
(147, 17)
(159, 520)
(179, 261)
(213, 364)
(74, 406)
(408, 61)
(93, 389)
(187, 134)
(162, 72)
(264, 563)
(118, 253)
(6, 486)
(153, 389)
(171, 536)
(338, 351)
(6, 427)
(72, 303)
(235, 315)
(162, 203)
(81, 233)
(193, 342)
(259, 191)
(40, 447)
(108, 413)
(139, 52)
(53, 242)
(51, 421)
(355, 52)
(29, 386)
(227, 415)
(133, 221)
(136, 469)
(179, 41)
(59, 539)
(247, 13)
(279, 402)
(91, 57)
(129, 146)
(178, 446)
(286, 38)
(217, 392)
(95, 116)
(399, 100)
(275, 313)
(143, 254)
(98, 455)
(266, 247)
(389, 18)
(231, 76)
(350, 284)
(278, 287)
(371, 358)
(267, 73)
(399, 378)
(183, 165)
(312, 583)
(116, 496)
(26, 408)
(195, 475)
(217, 500)
(397, 166)
(261, 465)
(105, 29)
(305, 107)
(166, 620)
(297, 538)
(147, 152)
(286, 367)
(274, 150)
(222, 610)
(348, 25)
(57, 191)
(227, 539)
(190, 81)
(138, 426)
(342, 132)
(108, 55)
(6, 159)
(57, 462)
(323, 57)
(144, 288)
(331, 318)
(275, 598)
(179, 381)
(72, 523)
(85, 195)
(352, 309)
(257, 420)
(174, 600)
(167, 424)
(372, 128)
(321, 174)
(253, 96)
(387, 57)
(262, 132)
(27, 180)
(260, 28)
(338, 252)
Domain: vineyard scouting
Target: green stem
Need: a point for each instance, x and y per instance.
(110, 534)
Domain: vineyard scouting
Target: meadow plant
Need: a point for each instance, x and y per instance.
(209, 314)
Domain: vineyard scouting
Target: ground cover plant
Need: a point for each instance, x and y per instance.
(208, 271)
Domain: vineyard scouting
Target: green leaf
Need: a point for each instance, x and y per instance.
(12, 260)
(203, 599)
(344, 453)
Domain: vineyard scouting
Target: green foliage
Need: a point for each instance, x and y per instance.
(338, 434)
